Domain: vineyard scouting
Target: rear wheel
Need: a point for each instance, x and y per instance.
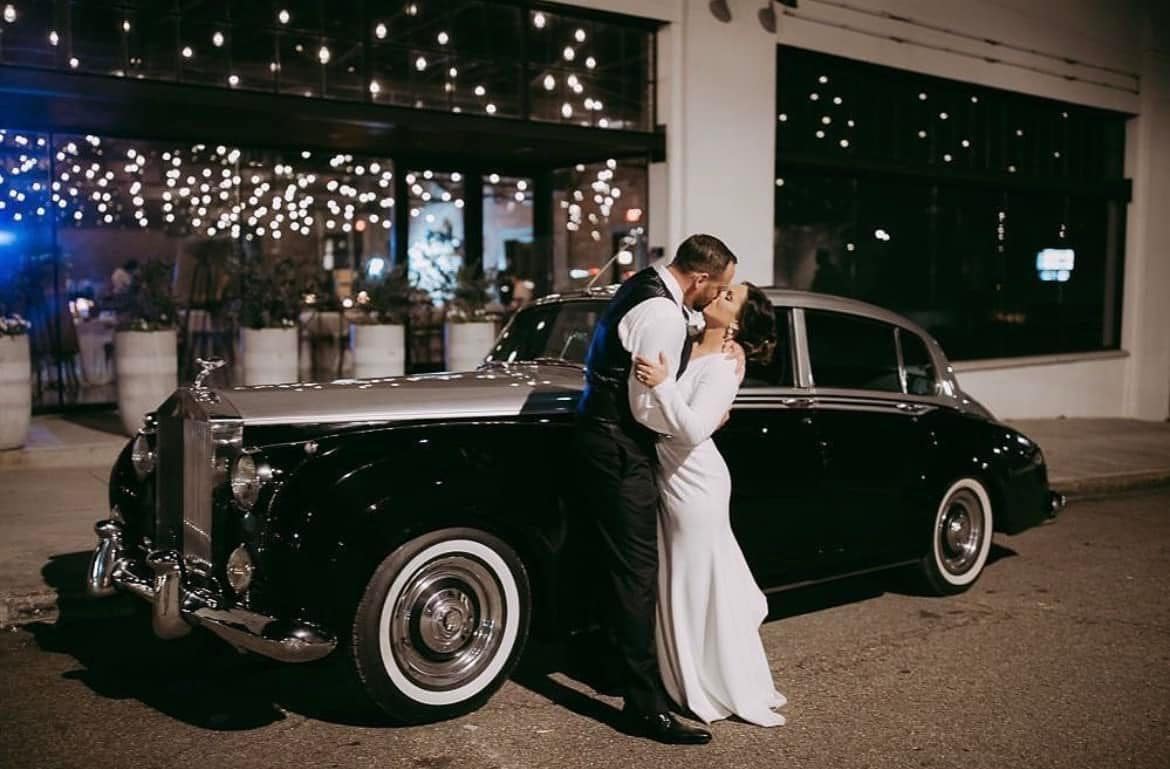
(441, 624)
(960, 539)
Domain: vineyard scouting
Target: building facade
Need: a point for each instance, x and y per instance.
(998, 171)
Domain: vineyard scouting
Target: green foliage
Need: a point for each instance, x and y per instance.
(387, 299)
(271, 297)
(469, 294)
(148, 305)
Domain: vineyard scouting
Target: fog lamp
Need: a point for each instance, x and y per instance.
(142, 456)
(248, 477)
(240, 569)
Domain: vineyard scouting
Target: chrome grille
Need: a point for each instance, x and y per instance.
(168, 506)
(185, 479)
(197, 484)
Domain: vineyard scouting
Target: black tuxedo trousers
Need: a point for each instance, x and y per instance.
(619, 493)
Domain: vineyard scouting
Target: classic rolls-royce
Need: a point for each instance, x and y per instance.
(427, 524)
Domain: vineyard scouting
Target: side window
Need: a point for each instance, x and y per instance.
(921, 377)
(851, 352)
(777, 372)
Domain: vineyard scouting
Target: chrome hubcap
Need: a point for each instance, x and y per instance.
(448, 622)
(960, 532)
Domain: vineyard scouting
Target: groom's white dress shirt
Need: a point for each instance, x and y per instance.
(651, 327)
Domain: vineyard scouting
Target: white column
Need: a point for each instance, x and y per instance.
(720, 132)
(1146, 313)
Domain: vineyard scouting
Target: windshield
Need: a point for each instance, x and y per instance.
(559, 331)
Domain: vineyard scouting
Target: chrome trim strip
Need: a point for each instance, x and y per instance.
(901, 360)
(804, 375)
(835, 577)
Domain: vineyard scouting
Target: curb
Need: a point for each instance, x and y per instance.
(92, 455)
(1113, 483)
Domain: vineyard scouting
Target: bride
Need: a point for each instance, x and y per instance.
(709, 606)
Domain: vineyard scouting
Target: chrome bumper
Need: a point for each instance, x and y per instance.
(159, 580)
(1056, 503)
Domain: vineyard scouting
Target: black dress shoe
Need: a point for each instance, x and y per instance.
(665, 728)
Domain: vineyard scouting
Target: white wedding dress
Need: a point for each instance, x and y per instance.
(709, 606)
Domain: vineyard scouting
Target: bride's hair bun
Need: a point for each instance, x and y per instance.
(757, 326)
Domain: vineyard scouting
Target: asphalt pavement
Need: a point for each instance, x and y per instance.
(1058, 657)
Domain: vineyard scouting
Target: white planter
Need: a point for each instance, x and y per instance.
(15, 391)
(147, 367)
(467, 344)
(270, 355)
(378, 350)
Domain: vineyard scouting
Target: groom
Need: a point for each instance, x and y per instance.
(617, 425)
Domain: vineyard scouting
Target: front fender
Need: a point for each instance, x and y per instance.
(341, 511)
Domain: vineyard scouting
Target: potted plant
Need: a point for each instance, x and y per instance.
(470, 328)
(146, 361)
(378, 334)
(15, 381)
(268, 321)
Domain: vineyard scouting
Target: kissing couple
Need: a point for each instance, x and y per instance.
(684, 611)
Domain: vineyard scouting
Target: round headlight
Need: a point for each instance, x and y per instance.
(142, 456)
(240, 569)
(247, 478)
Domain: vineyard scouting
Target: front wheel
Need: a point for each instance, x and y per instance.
(960, 539)
(441, 624)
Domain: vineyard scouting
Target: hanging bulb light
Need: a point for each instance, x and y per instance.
(217, 39)
(10, 13)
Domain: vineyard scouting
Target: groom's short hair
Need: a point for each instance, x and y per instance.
(703, 253)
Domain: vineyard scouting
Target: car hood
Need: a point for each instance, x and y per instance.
(499, 391)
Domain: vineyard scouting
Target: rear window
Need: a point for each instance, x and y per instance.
(851, 352)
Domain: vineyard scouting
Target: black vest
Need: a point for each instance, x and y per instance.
(608, 363)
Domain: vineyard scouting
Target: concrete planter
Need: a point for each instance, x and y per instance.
(378, 350)
(15, 391)
(467, 344)
(147, 367)
(270, 355)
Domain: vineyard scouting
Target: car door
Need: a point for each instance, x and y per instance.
(770, 446)
(875, 447)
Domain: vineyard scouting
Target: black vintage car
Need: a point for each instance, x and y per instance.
(427, 523)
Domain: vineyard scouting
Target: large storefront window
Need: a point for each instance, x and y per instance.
(601, 224)
(83, 217)
(994, 219)
(468, 56)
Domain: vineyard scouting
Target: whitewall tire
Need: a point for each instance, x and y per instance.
(960, 538)
(441, 624)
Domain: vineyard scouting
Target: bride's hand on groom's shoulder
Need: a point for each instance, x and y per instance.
(650, 373)
(734, 350)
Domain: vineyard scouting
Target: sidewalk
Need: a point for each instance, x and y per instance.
(52, 491)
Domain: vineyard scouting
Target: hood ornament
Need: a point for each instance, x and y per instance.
(206, 366)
